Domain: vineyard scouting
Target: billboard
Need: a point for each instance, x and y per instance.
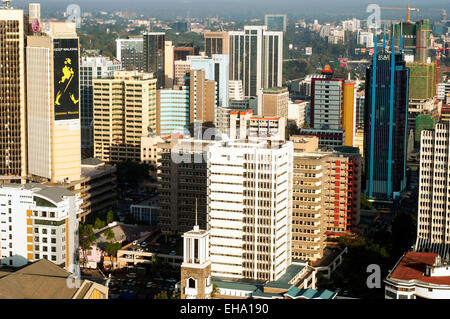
(66, 79)
(308, 50)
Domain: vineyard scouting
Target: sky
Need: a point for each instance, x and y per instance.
(322, 9)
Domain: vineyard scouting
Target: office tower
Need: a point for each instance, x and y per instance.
(202, 102)
(34, 17)
(275, 102)
(216, 69)
(130, 52)
(275, 22)
(168, 64)
(244, 125)
(415, 38)
(38, 222)
(216, 43)
(365, 38)
(173, 111)
(309, 220)
(297, 112)
(196, 267)
(342, 190)
(181, 53)
(92, 67)
(124, 111)
(256, 58)
(53, 104)
(13, 147)
(433, 211)
(182, 179)
(327, 103)
(154, 60)
(250, 208)
(386, 106)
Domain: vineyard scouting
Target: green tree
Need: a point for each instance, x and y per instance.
(111, 249)
(109, 217)
(87, 238)
(215, 291)
(99, 223)
(365, 204)
(109, 234)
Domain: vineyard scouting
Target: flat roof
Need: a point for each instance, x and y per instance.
(283, 282)
(54, 193)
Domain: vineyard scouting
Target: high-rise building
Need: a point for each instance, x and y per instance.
(386, 107)
(172, 111)
(275, 102)
(244, 125)
(124, 111)
(235, 91)
(216, 43)
(130, 52)
(53, 104)
(38, 222)
(414, 37)
(13, 147)
(154, 59)
(422, 80)
(168, 64)
(250, 208)
(275, 22)
(182, 179)
(92, 67)
(216, 69)
(256, 58)
(433, 212)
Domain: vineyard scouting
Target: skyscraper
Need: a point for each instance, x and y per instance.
(256, 58)
(53, 104)
(433, 217)
(386, 107)
(154, 59)
(216, 43)
(13, 160)
(250, 208)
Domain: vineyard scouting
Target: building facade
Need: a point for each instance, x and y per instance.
(130, 52)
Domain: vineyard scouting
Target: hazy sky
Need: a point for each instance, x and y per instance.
(249, 8)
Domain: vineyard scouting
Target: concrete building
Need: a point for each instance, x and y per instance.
(130, 52)
(256, 58)
(182, 178)
(38, 222)
(216, 43)
(168, 64)
(13, 122)
(327, 137)
(433, 212)
(297, 112)
(249, 208)
(419, 275)
(124, 111)
(173, 110)
(275, 102)
(149, 149)
(53, 104)
(180, 69)
(235, 91)
(146, 211)
(244, 125)
(92, 67)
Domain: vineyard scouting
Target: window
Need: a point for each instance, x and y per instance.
(191, 283)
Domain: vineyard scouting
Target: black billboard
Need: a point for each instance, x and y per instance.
(66, 79)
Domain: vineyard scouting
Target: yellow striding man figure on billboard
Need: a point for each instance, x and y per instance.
(67, 76)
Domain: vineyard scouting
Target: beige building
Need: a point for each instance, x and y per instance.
(216, 43)
(433, 210)
(180, 68)
(275, 102)
(124, 111)
(53, 107)
(244, 125)
(168, 64)
(13, 148)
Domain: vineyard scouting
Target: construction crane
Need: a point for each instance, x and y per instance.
(409, 10)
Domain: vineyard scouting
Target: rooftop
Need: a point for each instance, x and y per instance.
(310, 293)
(283, 281)
(54, 193)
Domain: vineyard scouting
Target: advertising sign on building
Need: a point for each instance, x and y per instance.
(66, 79)
(308, 50)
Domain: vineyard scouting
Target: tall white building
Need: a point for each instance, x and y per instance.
(433, 231)
(256, 58)
(250, 208)
(38, 222)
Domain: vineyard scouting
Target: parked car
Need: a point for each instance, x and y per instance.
(149, 284)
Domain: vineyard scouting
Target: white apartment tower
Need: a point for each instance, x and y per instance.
(433, 222)
(250, 208)
(38, 222)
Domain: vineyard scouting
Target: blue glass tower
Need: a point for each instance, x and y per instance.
(385, 123)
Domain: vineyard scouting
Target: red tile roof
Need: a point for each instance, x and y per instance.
(413, 266)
